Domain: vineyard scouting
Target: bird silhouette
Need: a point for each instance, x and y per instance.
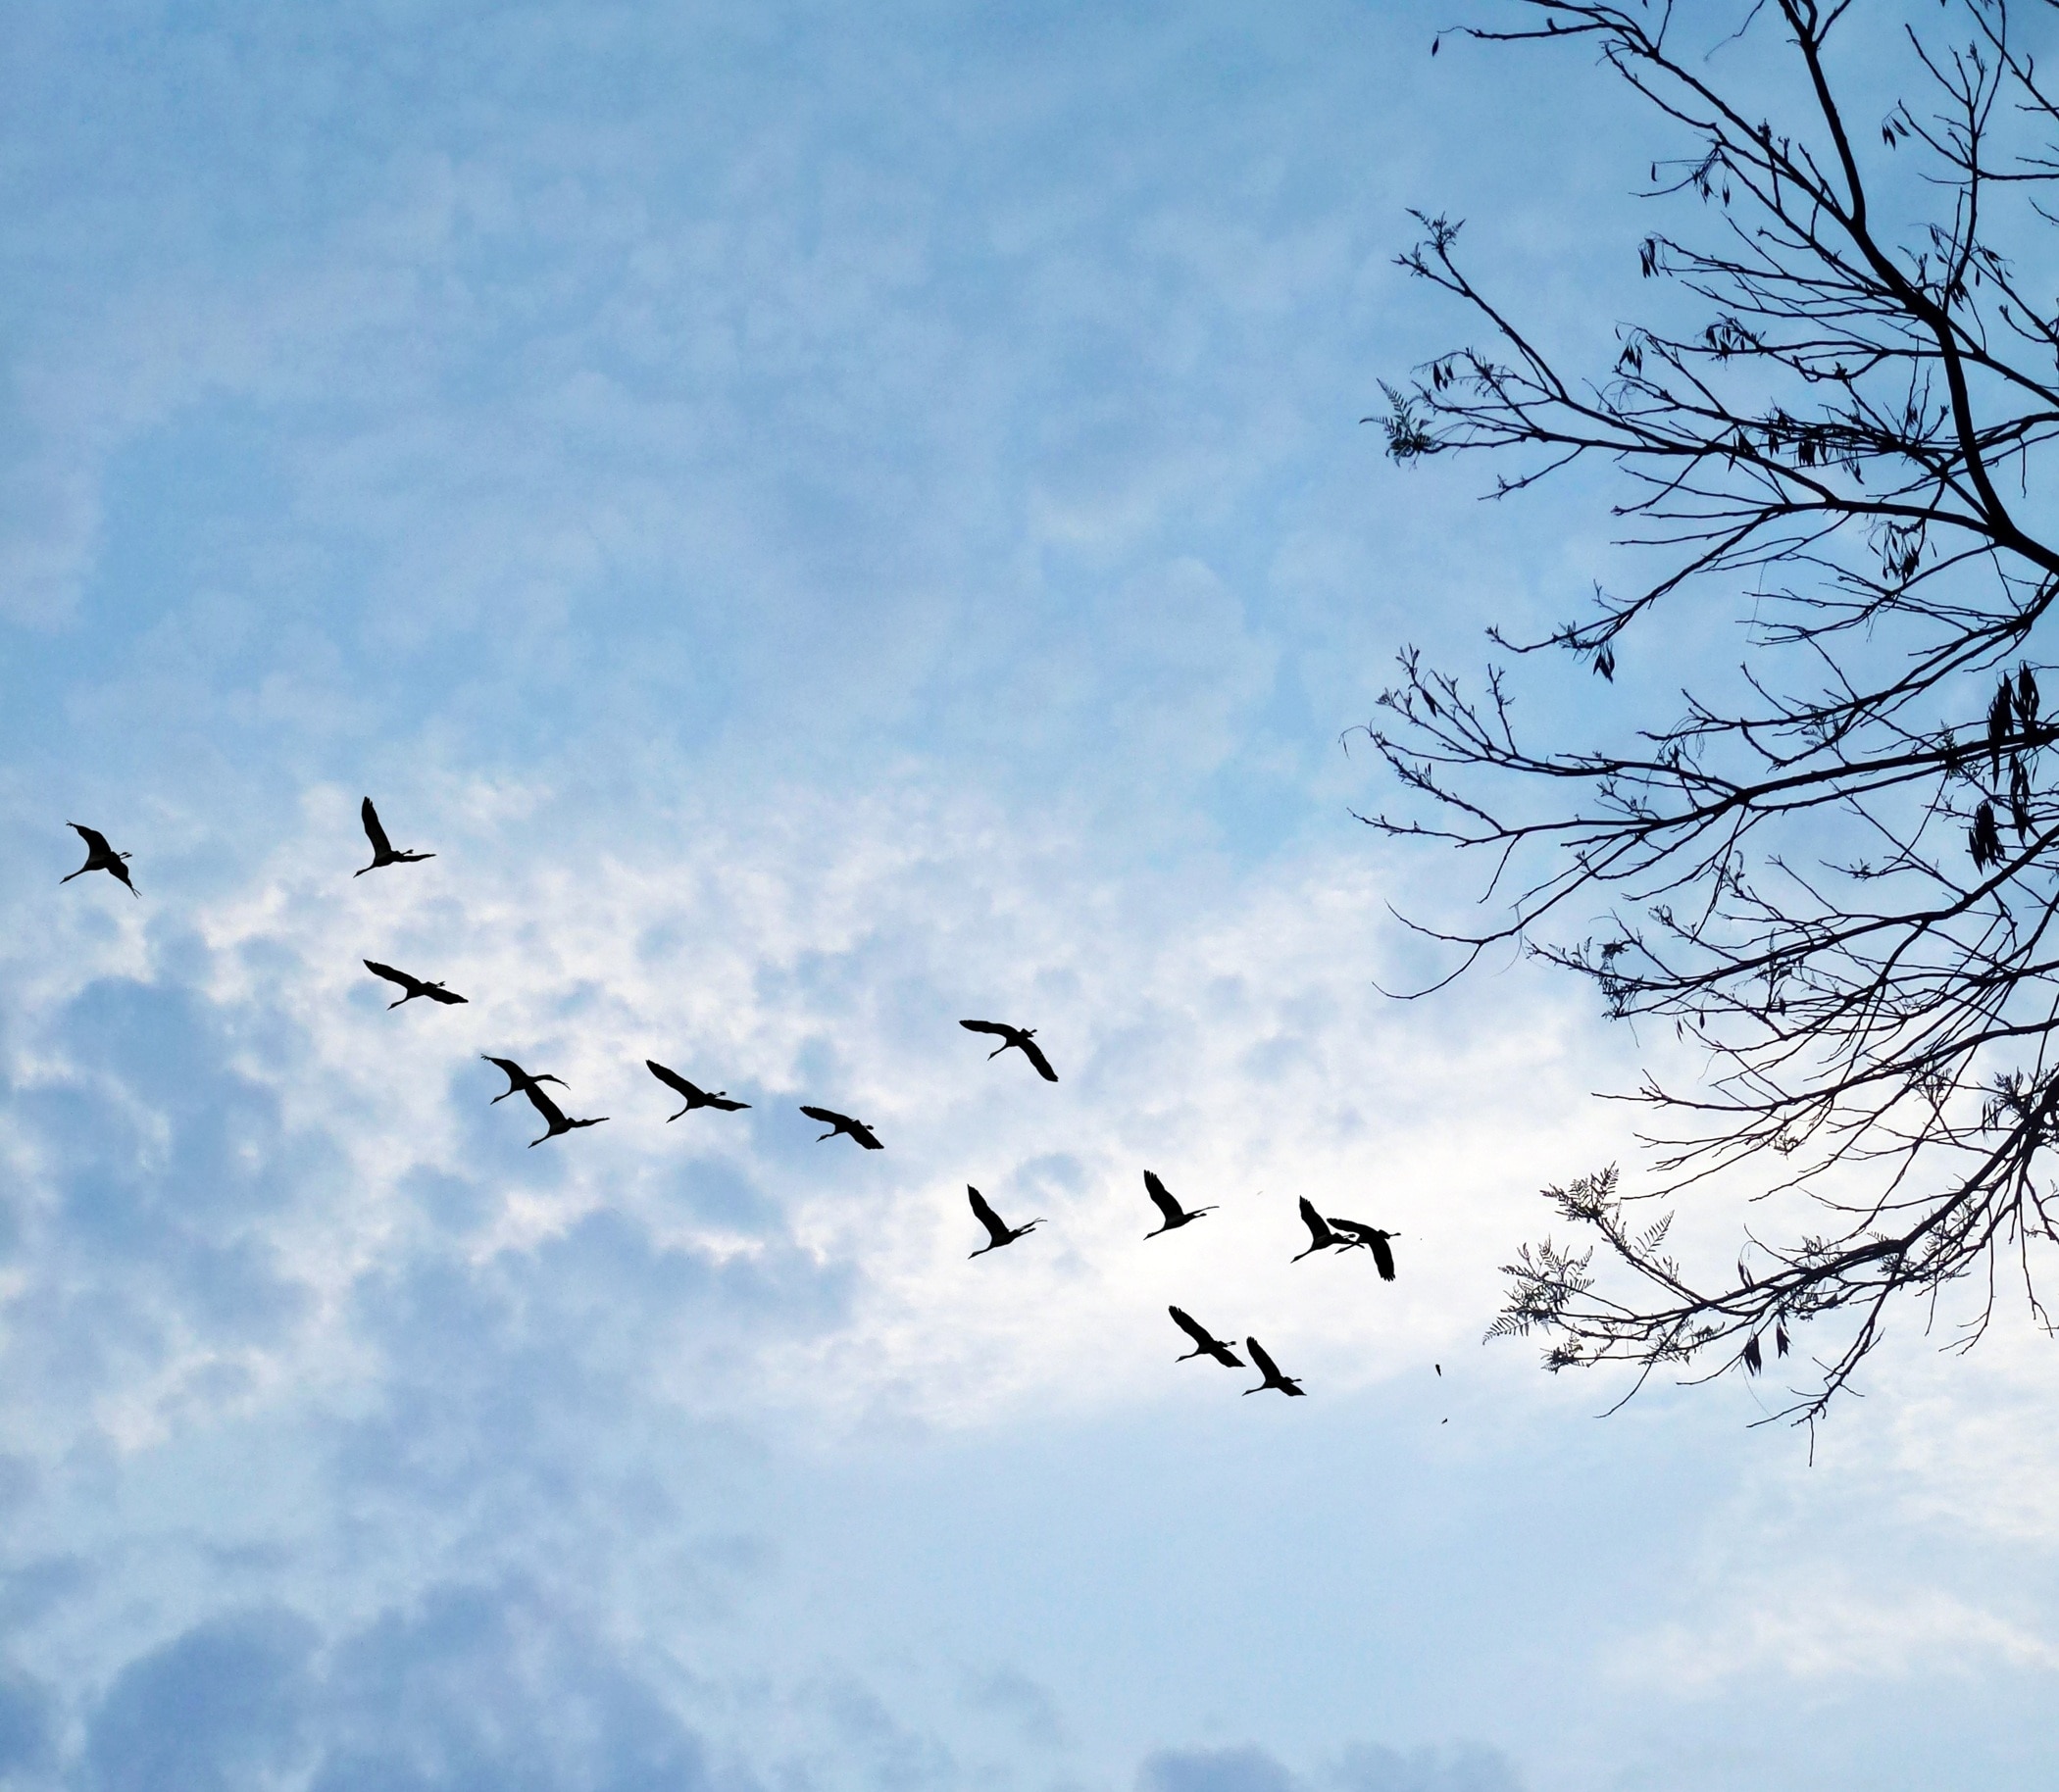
(414, 987)
(695, 1097)
(844, 1123)
(383, 852)
(997, 1229)
(1022, 1038)
(1267, 1367)
(1204, 1344)
(100, 857)
(1320, 1237)
(1176, 1214)
(1374, 1239)
(520, 1082)
(554, 1119)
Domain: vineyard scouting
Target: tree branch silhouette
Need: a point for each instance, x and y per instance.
(1810, 878)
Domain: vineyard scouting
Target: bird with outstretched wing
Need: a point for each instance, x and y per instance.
(383, 852)
(696, 1097)
(1374, 1239)
(554, 1119)
(100, 857)
(1320, 1237)
(1287, 1384)
(414, 985)
(844, 1124)
(1021, 1038)
(998, 1231)
(1205, 1344)
(1175, 1213)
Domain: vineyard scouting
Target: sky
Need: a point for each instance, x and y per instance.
(827, 520)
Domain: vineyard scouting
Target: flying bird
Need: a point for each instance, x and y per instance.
(383, 852)
(1176, 1214)
(100, 857)
(844, 1123)
(520, 1082)
(1022, 1038)
(1287, 1384)
(996, 1228)
(1204, 1344)
(1320, 1237)
(554, 1119)
(695, 1097)
(414, 987)
(1374, 1239)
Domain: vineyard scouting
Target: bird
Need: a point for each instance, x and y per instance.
(383, 852)
(1287, 1384)
(414, 987)
(1320, 1237)
(997, 1229)
(1204, 1344)
(1374, 1239)
(1176, 1214)
(100, 857)
(554, 1119)
(520, 1082)
(844, 1123)
(1022, 1039)
(695, 1097)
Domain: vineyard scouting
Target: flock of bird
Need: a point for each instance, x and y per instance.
(1325, 1234)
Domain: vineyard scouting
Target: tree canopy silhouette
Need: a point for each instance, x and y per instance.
(1832, 868)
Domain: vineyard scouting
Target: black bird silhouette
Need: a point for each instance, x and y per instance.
(1267, 1367)
(383, 852)
(414, 987)
(1374, 1239)
(1022, 1039)
(100, 857)
(1204, 1344)
(844, 1123)
(695, 1097)
(1320, 1237)
(996, 1229)
(520, 1082)
(553, 1115)
(1176, 1214)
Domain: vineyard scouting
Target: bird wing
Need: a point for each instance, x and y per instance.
(997, 1027)
(553, 1115)
(865, 1135)
(671, 1079)
(1382, 1257)
(1266, 1366)
(374, 832)
(1317, 1230)
(725, 1105)
(1167, 1206)
(1187, 1324)
(827, 1115)
(399, 977)
(438, 993)
(1352, 1228)
(1035, 1053)
(986, 1214)
(95, 840)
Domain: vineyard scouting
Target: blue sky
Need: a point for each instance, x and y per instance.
(829, 521)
